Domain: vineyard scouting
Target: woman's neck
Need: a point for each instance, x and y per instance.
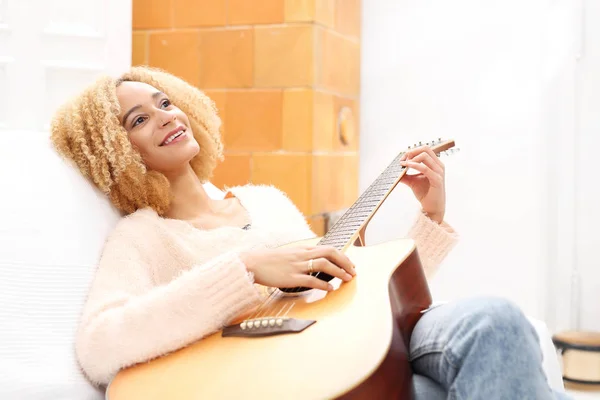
(188, 196)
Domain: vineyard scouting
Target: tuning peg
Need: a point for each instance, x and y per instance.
(449, 152)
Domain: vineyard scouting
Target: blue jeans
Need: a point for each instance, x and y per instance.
(479, 348)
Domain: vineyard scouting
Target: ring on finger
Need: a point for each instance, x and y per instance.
(310, 266)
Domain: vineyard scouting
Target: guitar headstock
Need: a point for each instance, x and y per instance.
(439, 147)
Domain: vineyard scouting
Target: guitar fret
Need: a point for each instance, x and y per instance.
(393, 171)
(388, 179)
(377, 190)
(345, 231)
(362, 209)
(336, 242)
(387, 182)
(355, 212)
(356, 220)
(350, 221)
(379, 187)
(372, 201)
(370, 196)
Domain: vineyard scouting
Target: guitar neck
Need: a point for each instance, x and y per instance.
(345, 231)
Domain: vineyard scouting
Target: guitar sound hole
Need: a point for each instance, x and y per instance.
(320, 275)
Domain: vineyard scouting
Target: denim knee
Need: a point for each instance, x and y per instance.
(499, 316)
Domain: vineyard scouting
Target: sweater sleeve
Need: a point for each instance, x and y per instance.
(127, 320)
(434, 241)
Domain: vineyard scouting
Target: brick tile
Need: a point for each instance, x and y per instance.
(195, 13)
(334, 182)
(325, 12)
(255, 12)
(299, 10)
(233, 171)
(177, 52)
(139, 48)
(325, 122)
(283, 56)
(152, 14)
(339, 63)
(347, 17)
(253, 120)
(226, 58)
(289, 172)
(298, 111)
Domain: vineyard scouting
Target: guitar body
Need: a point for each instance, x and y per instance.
(356, 349)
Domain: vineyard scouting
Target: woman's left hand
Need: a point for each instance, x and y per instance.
(428, 184)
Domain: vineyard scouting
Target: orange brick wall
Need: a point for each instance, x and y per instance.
(285, 77)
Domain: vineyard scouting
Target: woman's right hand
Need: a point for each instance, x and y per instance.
(288, 267)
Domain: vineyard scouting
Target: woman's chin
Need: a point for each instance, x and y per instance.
(185, 150)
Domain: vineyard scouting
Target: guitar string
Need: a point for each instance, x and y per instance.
(393, 163)
(278, 294)
(400, 174)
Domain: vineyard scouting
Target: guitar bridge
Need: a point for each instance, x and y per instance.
(268, 326)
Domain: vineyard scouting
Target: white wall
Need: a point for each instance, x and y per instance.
(587, 180)
(499, 78)
(53, 223)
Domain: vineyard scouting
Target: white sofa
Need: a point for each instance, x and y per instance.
(50, 239)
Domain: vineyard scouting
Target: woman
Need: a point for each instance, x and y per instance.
(181, 259)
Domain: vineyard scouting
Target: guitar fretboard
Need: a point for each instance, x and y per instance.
(352, 220)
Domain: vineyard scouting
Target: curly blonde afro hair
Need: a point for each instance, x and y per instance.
(86, 130)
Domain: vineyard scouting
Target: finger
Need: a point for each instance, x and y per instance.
(415, 152)
(312, 282)
(412, 153)
(426, 159)
(411, 180)
(336, 257)
(434, 157)
(435, 180)
(326, 266)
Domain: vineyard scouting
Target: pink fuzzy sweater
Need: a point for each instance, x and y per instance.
(162, 284)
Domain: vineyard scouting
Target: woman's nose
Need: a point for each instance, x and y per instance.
(167, 118)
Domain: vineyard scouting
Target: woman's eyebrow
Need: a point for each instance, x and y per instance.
(128, 113)
(132, 109)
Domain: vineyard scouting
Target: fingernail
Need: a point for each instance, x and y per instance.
(353, 271)
(347, 277)
(329, 287)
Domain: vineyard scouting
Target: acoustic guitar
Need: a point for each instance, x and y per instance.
(350, 343)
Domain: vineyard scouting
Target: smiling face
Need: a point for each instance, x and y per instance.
(159, 130)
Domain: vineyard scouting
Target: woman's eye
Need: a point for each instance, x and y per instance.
(165, 103)
(138, 121)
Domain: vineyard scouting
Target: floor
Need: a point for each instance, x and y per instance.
(579, 395)
(585, 393)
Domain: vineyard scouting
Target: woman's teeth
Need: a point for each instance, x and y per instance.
(173, 137)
